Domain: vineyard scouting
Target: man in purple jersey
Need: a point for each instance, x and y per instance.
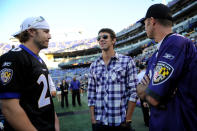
(24, 81)
(170, 84)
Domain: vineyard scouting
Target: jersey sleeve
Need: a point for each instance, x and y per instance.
(167, 71)
(51, 84)
(9, 76)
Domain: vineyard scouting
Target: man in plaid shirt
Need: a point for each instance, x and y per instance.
(111, 87)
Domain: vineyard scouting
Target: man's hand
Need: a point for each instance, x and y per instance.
(93, 120)
(142, 87)
(142, 94)
(57, 125)
(145, 104)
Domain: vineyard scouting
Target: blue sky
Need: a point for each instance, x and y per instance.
(67, 17)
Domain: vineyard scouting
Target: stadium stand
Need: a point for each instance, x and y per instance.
(132, 40)
(74, 57)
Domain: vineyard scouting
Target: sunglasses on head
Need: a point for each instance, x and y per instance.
(103, 36)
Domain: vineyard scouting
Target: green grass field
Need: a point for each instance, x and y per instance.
(78, 118)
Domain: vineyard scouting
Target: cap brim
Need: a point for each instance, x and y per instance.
(15, 34)
(142, 21)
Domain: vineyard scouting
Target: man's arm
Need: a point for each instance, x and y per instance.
(70, 87)
(141, 91)
(16, 116)
(130, 110)
(93, 120)
(132, 81)
(79, 85)
(57, 125)
(91, 94)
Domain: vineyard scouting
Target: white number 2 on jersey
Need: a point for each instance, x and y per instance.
(43, 100)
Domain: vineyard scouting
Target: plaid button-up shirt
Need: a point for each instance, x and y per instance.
(111, 87)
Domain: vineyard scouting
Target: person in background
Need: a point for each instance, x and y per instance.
(75, 89)
(58, 92)
(169, 85)
(111, 87)
(64, 93)
(24, 81)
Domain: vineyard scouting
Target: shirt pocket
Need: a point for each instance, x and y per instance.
(99, 77)
(119, 75)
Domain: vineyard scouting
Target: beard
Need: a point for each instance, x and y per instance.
(149, 30)
(40, 44)
(150, 34)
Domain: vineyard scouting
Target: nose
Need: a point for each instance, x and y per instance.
(49, 36)
(101, 39)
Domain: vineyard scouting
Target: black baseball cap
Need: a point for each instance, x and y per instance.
(158, 11)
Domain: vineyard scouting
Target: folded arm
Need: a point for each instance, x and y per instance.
(141, 91)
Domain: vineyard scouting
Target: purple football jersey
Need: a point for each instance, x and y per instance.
(172, 71)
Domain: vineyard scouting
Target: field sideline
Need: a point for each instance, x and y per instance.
(78, 118)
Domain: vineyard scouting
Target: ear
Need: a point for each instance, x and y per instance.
(153, 20)
(31, 32)
(114, 41)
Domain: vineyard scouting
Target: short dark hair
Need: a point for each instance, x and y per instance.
(165, 22)
(108, 30)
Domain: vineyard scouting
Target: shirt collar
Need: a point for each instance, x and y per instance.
(113, 57)
(116, 56)
(159, 44)
(31, 53)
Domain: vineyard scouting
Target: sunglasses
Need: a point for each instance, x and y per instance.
(103, 36)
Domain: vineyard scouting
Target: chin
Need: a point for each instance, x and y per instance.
(105, 49)
(150, 37)
(43, 47)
